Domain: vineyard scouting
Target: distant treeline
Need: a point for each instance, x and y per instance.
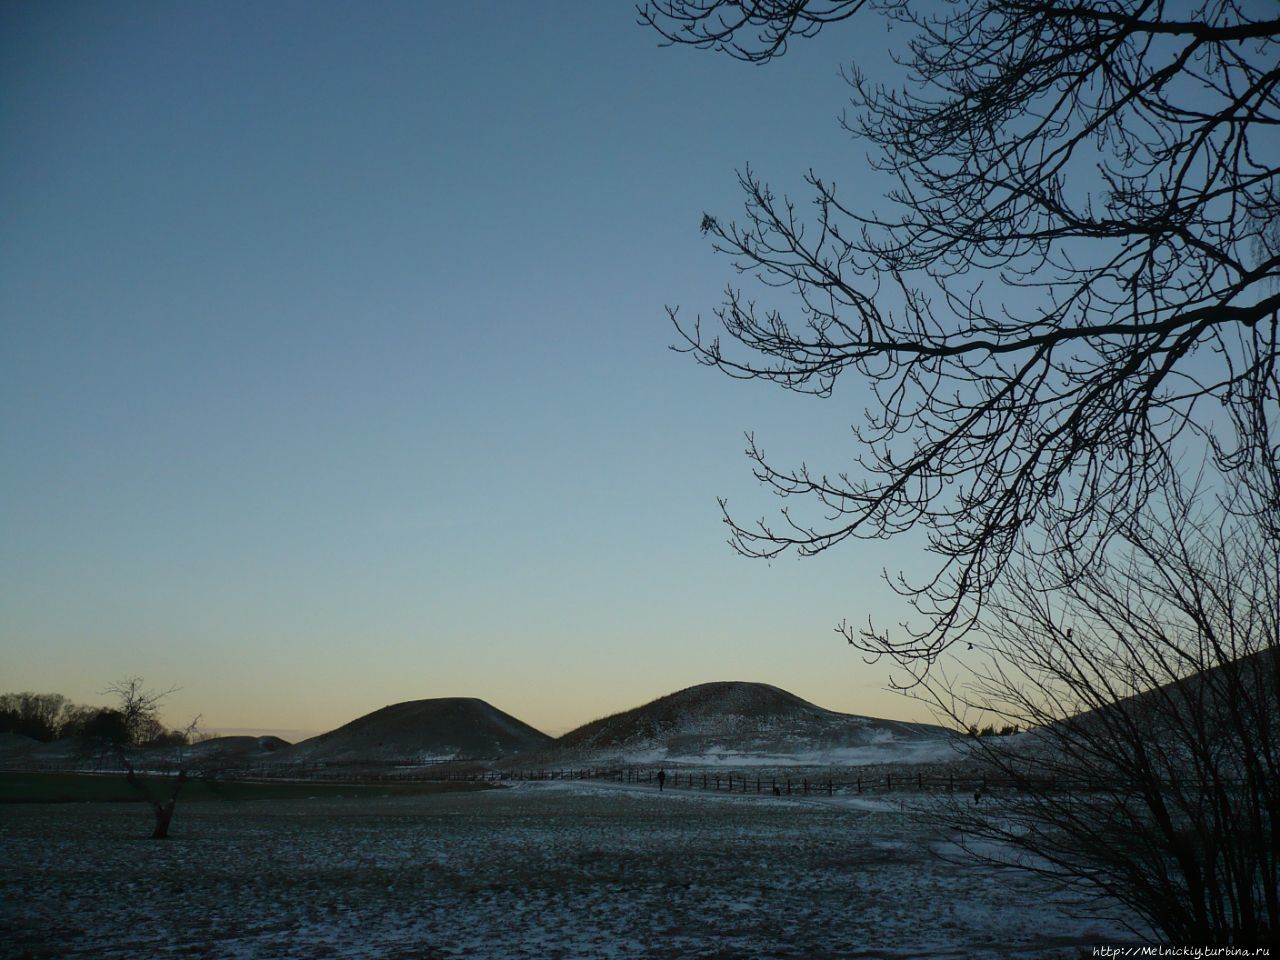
(992, 731)
(51, 716)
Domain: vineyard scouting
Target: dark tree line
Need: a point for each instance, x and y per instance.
(51, 716)
(134, 721)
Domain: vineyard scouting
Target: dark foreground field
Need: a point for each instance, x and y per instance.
(20, 787)
(540, 871)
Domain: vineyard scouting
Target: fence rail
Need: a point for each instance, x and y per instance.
(853, 782)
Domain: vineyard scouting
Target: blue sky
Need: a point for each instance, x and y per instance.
(334, 368)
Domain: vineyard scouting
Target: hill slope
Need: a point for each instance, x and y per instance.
(437, 729)
(745, 723)
(236, 748)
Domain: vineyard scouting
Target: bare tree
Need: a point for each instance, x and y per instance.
(162, 808)
(1074, 275)
(752, 30)
(1149, 676)
(1150, 679)
(139, 709)
(1069, 294)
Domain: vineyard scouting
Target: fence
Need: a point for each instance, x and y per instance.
(854, 782)
(730, 782)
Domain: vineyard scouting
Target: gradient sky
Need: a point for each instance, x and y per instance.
(334, 368)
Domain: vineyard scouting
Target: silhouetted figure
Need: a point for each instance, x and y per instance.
(776, 791)
(662, 779)
(977, 796)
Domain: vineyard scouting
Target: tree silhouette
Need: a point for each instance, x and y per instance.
(36, 715)
(752, 31)
(1150, 682)
(139, 719)
(139, 708)
(1070, 284)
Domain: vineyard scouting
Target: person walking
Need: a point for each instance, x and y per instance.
(662, 779)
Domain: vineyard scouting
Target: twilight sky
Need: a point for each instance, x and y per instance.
(333, 364)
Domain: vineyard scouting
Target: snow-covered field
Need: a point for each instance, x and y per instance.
(545, 870)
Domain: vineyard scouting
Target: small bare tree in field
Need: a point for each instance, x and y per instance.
(139, 709)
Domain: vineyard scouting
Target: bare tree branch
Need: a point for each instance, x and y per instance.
(1150, 681)
(1074, 276)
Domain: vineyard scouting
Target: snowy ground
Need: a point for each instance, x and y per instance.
(546, 870)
